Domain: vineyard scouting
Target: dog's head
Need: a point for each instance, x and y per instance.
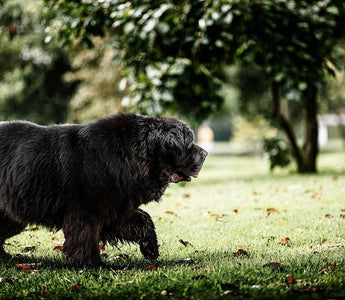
(181, 159)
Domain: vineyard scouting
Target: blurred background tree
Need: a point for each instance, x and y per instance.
(173, 53)
(79, 60)
(31, 69)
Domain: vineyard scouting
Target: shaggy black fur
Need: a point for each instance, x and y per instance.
(90, 179)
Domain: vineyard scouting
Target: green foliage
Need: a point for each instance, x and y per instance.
(31, 71)
(173, 53)
(278, 152)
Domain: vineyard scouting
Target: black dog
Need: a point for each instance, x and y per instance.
(90, 179)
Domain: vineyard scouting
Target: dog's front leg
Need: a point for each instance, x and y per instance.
(81, 239)
(138, 228)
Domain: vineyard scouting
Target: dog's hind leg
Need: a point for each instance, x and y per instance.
(8, 228)
(139, 228)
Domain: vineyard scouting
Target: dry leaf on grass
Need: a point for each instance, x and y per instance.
(327, 269)
(76, 287)
(29, 267)
(45, 291)
(169, 212)
(32, 229)
(28, 248)
(57, 240)
(286, 241)
(318, 195)
(240, 252)
(151, 268)
(271, 210)
(274, 266)
(311, 290)
(289, 279)
(185, 243)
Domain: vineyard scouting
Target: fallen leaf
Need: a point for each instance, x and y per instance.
(286, 241)
(76, 287)
(240, 252)
(211, 214)
(169, 212)
(311, 290)
(186, 196)
(256, 193)
(151, 268)
(327, 269)
(274, 266)
(101, 247)
(45, 291)
(208, 269)
(32, 229)
(318, 195)
(235, 211)
(289, 279)
(185, 243)
(321, 242)
(58, 248)
(271, 210)
(298, 230)
(28, 267)
(271, 238)
(29, 248)
(56, 240)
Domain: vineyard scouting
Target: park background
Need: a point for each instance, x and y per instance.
(266, 217)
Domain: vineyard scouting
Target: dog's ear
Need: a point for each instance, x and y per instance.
(177, 138)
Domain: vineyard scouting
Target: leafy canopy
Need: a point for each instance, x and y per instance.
(173, 53)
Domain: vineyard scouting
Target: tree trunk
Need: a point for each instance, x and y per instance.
(305, 158)
(311, 146)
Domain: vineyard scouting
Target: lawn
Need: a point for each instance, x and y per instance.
(237, 231)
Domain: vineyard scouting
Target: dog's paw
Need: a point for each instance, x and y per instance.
(149, 250)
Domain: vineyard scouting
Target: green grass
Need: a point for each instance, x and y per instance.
(235, 204)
